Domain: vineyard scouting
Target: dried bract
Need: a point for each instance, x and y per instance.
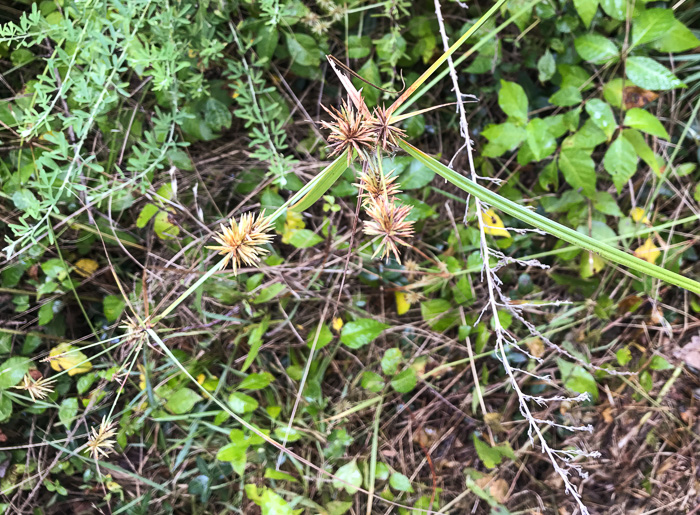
(349, 131)
(242, 242)
(390, 224)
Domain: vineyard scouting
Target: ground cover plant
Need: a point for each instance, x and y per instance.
(314, 257)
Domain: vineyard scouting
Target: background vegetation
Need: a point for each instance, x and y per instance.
(130, 130)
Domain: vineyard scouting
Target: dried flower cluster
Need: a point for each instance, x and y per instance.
(37, 389)
(242, 242)
(100, 441)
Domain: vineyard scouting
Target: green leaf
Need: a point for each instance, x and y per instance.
(319, 185)
(602, 115)
(370, 72)
(391, 360)
(651, 25)
(659, 363)
(269, 293)
(46, 313)
(620, 162)
(405, 381)
(546, 67)
(643, 150)
(163, 227)
(67, 411)
(578, 169)
(359, 46)
(12, 371)
(646, 122)
(595, 48)
(304, 238)
(605, 203)
(147, 212)
(649, 74)
(677, 39)
(506, 135)
(437, 313)
(338, 507)
(359, 333)
(303, 49)
(586, 9)
(241, 403)
(351, 478)
(5, 407)
(488, 455)
(513, 100)
(616, 9)
(399, 482)
(577, 379)
(325, 336)
(273, 504)
(587, 137)
(256, 381)
(113, 307)
(182, 401)
(417, 175)
(565, 97)
(623, 356)
(372, 381)
(541, 141)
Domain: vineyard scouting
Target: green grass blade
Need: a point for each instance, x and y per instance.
(320, 184)
(555, 229)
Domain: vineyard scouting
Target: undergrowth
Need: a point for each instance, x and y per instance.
(520, 337)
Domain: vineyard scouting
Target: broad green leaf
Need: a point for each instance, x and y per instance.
(269, 293)
(5, 407)
(391, 360)
(325, 336)
(587, 137)
(488, 455)
(372, 381)
(577, 379)
(338, 507)
(602, 116)
(646, 122)
(304, 238)
(541, 141)
(272, 503)
(416, 175)
(506, 135)
(67, 411)
(113, 307)
(649, 74)
(578, 169)
(359, 333)
(586, 9)
(405, 381)
(359, 46)
(241, 403)
(182, 401)
(546, 67)
(512, 99)
(303, 49)
(605, 203)
(163, 227)
(399, 482)
(566, 97)
(643, 150)
(370, 72)
(616, 9)
(12, 371)
(595, 48)
(659, 363)
(651, 25)
(678, 38)
(623, 356)
(438, 314)
(620, 162)
(256, 381)
(351, 478)
(558, 230)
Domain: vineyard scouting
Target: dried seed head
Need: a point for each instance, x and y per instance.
(99, 442)
(242, 242)
(39, 389)
(375, 185)
(390, 224)
(349, 130)
(387, 135)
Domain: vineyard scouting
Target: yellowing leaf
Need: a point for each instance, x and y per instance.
(86, 267)
(70, 358)
(402, 305)
(494, 225)
(337, 324)
(293, 223)
(637, 214)
(648, 252)
(591, 264)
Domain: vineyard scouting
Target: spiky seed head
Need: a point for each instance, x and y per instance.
(375, 185)
(100, 441)
(37, 389)
(387, 135)
(349, 130)
(389, 223)
(242, 242)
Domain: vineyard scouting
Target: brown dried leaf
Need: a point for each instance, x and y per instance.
(634, 96)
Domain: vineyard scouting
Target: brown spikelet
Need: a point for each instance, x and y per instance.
(387, 135)
(242, 242)
(349, 130)
(375, 185)
(389, 223)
